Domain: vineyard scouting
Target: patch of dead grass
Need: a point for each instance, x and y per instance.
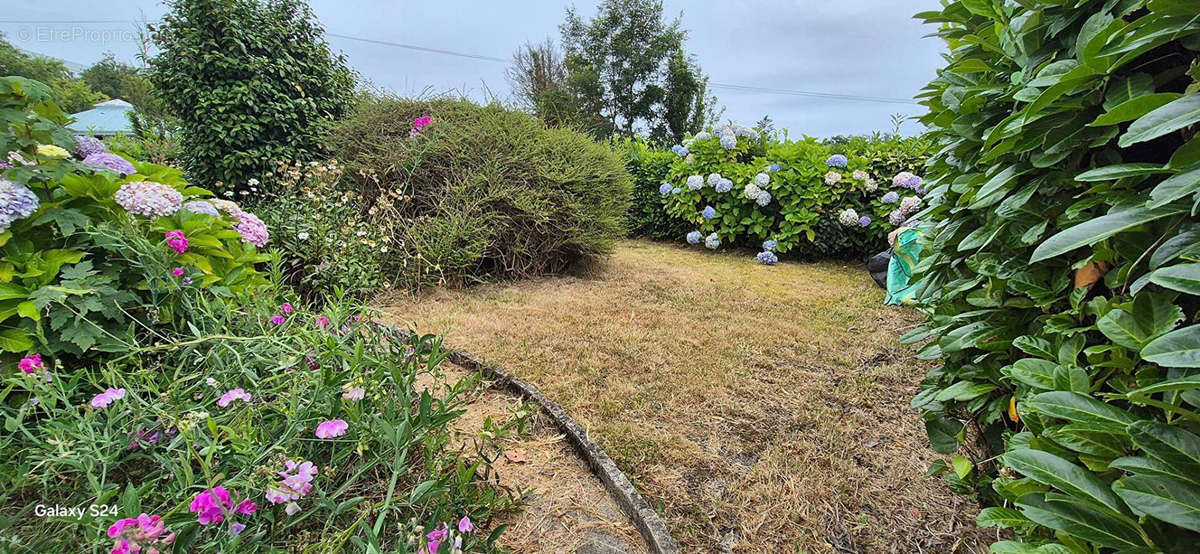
(763, 407)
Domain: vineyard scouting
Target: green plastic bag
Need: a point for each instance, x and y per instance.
(905, 255)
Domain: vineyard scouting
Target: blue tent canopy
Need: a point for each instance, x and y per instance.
(105, 120)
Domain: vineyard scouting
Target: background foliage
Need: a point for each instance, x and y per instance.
(1063, 273)
(251, 82)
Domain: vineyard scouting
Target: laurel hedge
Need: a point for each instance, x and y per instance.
(1062, 277)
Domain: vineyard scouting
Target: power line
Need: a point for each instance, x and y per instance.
(727, 86)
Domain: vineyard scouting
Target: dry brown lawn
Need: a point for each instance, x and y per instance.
(761, 408)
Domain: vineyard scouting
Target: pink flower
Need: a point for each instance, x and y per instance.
(332, 428)
(31, 363)
(419, 123)
(354, 394)
(286, 308)
(137, 535)
(465, 525)
(322, 322)
(177, 241)
(277, 319)
(107, 397)
(178, 272)
(235, 394)
(436, 537)
(296, 482)
(247, 507)
(210, 506)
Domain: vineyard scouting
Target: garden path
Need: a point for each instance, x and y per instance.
(759, 409)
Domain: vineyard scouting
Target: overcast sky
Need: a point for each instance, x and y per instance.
(870, 48)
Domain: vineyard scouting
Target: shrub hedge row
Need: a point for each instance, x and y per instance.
(1063, 273)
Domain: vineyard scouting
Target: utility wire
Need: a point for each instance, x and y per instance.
(726, 86)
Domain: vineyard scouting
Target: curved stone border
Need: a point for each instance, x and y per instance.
(651, 527)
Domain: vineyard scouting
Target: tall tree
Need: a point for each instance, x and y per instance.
(627, 67)
(539, 80)
(251, 82)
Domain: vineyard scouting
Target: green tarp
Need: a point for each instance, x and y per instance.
(905, 254)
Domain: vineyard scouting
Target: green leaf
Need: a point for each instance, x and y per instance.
(1078, 408)
(1179, 348)
(1153, 315)
(1134, 108)
(1171, 117)
(1175, 187)
(1170, 445)
(1034, 372)
(962, 466)
(1007, 518)
(1048, 469)
(1079, 520)
(1183, 278)
(1098, 229)
(15, 340)
(943, 434)
(1167, 499)
(1114, 172)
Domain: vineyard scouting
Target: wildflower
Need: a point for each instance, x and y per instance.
(728, 141)
(302, 235)
(111, 162)
(87, 145)
(762, 180)
(418, 124)
(767, 257)
(465, 525)
(237, 528)
(770, 245)
(141, 534)
(864, 221)
(295, 483)
(178, 272)
(230, 396)
(252, 182)
(322, 322)
(354, 394)
(332, 428)
(751, 191)
(107, 397)
(252, 229)
(286, 308)
(910, 204)
(837, 160)
(712, 241)
(872, 184)
(177, 241)
(16, 202)
(763, 198)
(848, 217)
(201, 207)
(832, 177)
(709, 212)
(774, 168)
(890, 198)
(897, 217)
(713, 179)
(695, 182)
(211, 382)
(148, 199)
(211, 506)
(291, 508)
(724, 186)
(31, 363)
(277, 320)
(52, 151)
(665, 189)
(694, 237)
(860, 176)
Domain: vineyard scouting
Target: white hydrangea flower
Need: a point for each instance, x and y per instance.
(713, 179)
(848, 217)
(762, 179)
(751, 191)
(832, 178)
(695, 182)
(860, 175)
(872, 184)
(909, 204)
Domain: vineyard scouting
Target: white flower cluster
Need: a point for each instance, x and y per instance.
(848, 217)
(762, 179)
(695, 182)
(751, 191)
(713, 179)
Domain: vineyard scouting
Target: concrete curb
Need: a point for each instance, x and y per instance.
(651, 527)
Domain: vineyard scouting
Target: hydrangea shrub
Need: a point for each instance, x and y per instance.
(1063, 274)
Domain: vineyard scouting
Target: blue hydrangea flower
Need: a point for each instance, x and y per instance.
(836, 160)
(712, 241)
(680, 150)
(86, 145)
(709, 212)
(202, 207)
(762, 179)
(16, 202)
(864, 221)
(665, 188)
(729, 141)
(676, 190)
(770, 245)
(774, 168)
(694, 237)
(896, 217)
(112, 162)
(695, 182)
(713, 179)
(725, 185)
(702, 135)
(763, 198)
(890, 198)
(767, 258)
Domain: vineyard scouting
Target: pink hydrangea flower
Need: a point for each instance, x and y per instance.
(177, 241)
(31, 363)
(107, 397)
(143, 534)
(252, 229)
(148, 198)
(235, 394)
(332, 428)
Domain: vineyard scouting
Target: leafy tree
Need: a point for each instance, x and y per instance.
(627, 67)
(539, 80)
(38, 68)
(110, 77)
(75, 96)
(251, 82)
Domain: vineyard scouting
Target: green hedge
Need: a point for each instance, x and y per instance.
(1068, 154)
(649, 168)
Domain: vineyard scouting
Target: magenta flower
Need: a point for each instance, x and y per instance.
(246, 507)
(332, 428)
(211, 505)
(419, 123)
(322, 322)
(177, 241)
(178, 272)
(465, 525)
(277, 319)
(107, 397)
(286, 308)
(143, 534)
(31, 363)
(235, 394)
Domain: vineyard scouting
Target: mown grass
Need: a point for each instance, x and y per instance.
(762, 407)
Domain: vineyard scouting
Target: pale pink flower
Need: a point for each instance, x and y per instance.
(332, 428)
(322, 322)
(107, 397)
(465, 525)
(354, 394)
(143, 534)
(235, 394)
